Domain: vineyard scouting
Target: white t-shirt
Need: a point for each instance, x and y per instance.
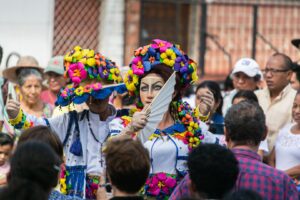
(264, 146)
(287, 148)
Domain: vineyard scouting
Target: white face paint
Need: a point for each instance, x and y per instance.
(150, 86)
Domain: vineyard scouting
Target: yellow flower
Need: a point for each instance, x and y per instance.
(91, 53)
(194, 125)
(63, 186)
(194, 74)
(115, 72)
(152, 136)
(77, 48)
(131, 80)
(91, 62)
(26, 125)
(79, 91)
(68, 57)
(168, 57)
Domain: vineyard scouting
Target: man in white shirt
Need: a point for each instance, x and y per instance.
(277, 99)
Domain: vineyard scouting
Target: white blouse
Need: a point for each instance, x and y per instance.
(287, 148)
(163, 150)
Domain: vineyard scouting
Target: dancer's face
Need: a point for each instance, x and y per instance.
(150, 86)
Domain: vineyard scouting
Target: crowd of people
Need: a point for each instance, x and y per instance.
(79, 128)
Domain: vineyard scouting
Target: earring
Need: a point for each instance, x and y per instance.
(90, 101)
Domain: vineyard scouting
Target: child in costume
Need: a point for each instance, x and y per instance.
(180, 129)
(83, 134)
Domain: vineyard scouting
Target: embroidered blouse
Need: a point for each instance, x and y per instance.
(89, 160)
(169, 149)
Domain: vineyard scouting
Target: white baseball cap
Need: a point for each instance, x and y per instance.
(248, 66)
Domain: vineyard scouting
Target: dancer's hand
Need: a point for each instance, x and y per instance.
(138, 121)
(12, 107)
(206, 103)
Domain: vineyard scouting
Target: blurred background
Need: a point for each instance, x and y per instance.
(215, 33)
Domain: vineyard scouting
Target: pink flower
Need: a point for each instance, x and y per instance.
(64, 93)
(77, 72)
(137, 66)
(160, 182)
(161, 45)
(96, 86)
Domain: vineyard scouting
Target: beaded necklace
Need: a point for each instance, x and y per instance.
(101, 143)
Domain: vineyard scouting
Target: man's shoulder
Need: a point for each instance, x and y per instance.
(258, 168)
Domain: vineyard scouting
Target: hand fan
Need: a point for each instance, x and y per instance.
(158, 108)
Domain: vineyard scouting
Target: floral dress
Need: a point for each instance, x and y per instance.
(169, 149)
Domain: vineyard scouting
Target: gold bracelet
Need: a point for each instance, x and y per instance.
(204, 118)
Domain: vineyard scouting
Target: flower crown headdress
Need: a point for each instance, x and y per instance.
(160, 52)
(87, 71)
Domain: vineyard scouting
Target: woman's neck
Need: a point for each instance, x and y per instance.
(296, 129)
(34, 109)
(166, 121)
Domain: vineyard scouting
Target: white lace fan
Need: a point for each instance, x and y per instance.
(158, 107)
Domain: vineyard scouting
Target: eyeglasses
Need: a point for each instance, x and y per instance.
(274, 71)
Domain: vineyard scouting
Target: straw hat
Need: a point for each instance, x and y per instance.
(24, 62)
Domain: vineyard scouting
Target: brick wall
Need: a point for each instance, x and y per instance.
(132, 28)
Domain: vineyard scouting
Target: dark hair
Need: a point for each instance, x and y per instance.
(6, 139)
(215, 89)
(213, 170)
(165, 72)
(245, 94)
(296, 69)
(243, 194)
(127, 164)
(245, 123)
(34, 172)
(228, 83)
(43, 134)
(288, 63)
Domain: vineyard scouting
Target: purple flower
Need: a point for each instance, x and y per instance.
(181, 64)
(103, 72)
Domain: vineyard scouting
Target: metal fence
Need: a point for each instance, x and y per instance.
(76, 22)
(217, 33)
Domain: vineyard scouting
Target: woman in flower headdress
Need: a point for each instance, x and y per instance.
(180, 129)
(83, 134)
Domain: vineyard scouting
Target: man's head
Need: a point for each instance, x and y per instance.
(246, 74)
(127, 164)
(245, 124)
(278, 72)
(43, 134)
(213, 170)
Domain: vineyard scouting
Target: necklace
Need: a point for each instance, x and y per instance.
(101, 143)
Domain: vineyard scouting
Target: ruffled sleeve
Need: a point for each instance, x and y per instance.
(118, 124)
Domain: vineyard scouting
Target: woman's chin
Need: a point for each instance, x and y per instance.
(31, 103)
